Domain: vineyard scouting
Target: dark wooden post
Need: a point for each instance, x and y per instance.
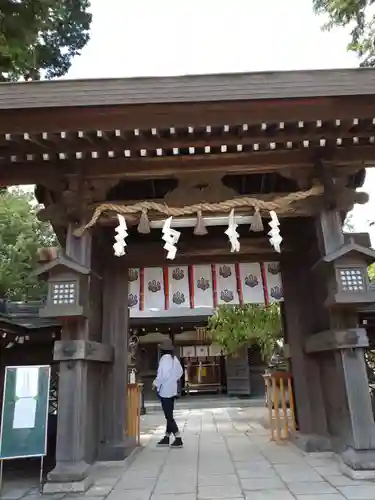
(81, 356)
(301, 312)
(114, 445)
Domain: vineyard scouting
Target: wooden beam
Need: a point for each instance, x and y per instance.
(137, 255)
(102, 142)
(195, 114)
(132, 168)
(30, 172)
(159, 260)
(147, 250)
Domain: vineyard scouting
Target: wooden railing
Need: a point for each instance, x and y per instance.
(280, 403)
(134, 412)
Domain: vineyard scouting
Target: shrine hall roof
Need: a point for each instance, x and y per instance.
(191, 88)
(24, 315)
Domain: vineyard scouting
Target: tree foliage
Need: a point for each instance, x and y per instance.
(235, 326)
(21, 235)
(359, 17)
(39, 38)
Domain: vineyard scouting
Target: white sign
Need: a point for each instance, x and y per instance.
(27, 379)
(26, 392)
(24, 413)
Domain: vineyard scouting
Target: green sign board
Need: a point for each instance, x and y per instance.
(25, 412)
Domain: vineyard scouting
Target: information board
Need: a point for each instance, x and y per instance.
(24, 416)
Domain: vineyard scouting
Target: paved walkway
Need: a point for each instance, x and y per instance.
(227, 455)
(202, 401)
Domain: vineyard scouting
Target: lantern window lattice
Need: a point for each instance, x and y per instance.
(64, 293)
(345, 271)
(352, 280)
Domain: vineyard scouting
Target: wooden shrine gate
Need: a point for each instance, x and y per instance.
(279, 153)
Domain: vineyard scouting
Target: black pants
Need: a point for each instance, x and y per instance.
(168, 406)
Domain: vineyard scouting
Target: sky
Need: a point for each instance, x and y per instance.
(176, 37)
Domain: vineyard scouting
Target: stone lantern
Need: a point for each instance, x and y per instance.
(68, 284)
(348, 281)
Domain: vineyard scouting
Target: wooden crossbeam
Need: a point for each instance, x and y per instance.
(195, 114)
(30, 172)
(104, 141)
(153, 253)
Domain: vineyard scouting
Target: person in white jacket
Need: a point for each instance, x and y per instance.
(169, 373)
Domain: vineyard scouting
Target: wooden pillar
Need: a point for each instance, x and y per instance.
(114, 444)
(81, 359)
(301, 312)
(327, 355)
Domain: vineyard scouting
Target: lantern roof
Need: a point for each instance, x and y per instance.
(64, 262)
(349, 248)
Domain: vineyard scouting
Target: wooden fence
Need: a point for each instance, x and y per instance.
(134, 412)
(280, 403)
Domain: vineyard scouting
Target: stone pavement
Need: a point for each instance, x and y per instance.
(227, 455)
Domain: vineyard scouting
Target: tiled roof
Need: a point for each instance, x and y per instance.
(24, 315)
(191, 88)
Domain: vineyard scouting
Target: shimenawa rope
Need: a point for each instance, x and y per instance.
(279, 203)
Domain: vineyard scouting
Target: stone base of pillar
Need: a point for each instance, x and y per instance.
(311, 443)
(357, 475)
(68, 487)
(358, 464)
(69, 477)
(115, 452)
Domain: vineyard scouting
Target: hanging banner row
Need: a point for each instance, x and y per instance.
(203, 286)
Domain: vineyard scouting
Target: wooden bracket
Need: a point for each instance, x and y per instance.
(74, 350)
(332, 340)
(326, 176)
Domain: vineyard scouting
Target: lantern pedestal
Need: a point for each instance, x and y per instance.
(323, 290)
(72, 472)
(78, 391)
(360, 429)
(358, 464)
(343, 361)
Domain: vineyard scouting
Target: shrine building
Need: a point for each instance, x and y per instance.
(172, 195)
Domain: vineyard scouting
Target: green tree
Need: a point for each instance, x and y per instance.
(252, 324)
(21, 235)
(39, 38)
(359, 17)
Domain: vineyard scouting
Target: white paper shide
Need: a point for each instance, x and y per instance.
(274, 234)
(232, 233)
(171, 237)
(120, 237)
